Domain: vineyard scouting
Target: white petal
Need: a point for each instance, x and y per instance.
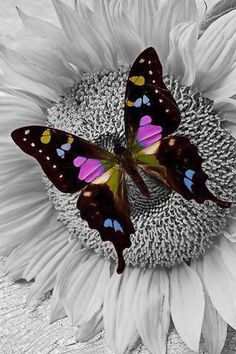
(171, 14)
(187, 304)
(11, 79)
(181, 60)
(41, 102)
(16, 112)
(143, 15)
(214, 328)
(226, 106)
(228, 251)
(230, 227)
(118, 310)
(46, 252)
(89, 329)
(226, 87)
(44, 271)
(85, 289)
(56, 36)
(76, 33)
(152, 309)
(25, 66)
(66, 271)
(220, 285)
(127, 40)
(215, 54)
(27, 249)
(25, 209)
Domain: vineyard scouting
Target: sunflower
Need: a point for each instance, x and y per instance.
(181, 265)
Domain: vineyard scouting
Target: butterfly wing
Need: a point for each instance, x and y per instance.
(151, 112)
(68, 161)
(72, 163)
(175, 162)
(104, 205)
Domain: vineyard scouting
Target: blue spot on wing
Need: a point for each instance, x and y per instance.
(188, 183)
(189, 173)
(117, 226)
(145, 99)
(108, 223)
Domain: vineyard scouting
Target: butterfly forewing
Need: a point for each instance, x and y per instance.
(68, 161)
(151, 112)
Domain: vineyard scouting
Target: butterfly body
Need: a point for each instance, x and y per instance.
(128, 164)
(151, 115)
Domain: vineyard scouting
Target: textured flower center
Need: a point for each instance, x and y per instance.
(169, 229)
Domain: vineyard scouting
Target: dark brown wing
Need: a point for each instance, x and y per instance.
(151, 112)
(68, 161)
(104, 205)
(175, 162)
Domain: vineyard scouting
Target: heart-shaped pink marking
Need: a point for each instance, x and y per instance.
(145, 120)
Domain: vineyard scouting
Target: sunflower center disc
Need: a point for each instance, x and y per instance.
(168, 228)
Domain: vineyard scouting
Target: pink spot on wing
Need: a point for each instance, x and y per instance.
(79, 160)
(145, 120)
(98, 172)
(89, 167)
(147, 131)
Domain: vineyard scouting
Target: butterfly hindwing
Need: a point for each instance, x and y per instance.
(105, 207)
(68, 161)
(175, 161)
(151, 112)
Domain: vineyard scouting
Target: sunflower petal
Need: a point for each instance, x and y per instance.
(214, 328)
(85, 290)
(16, 112)
(67, 271)
(228, 251)
(128, 42)
(181, 60)
(215, 55)
(76, 34)
(25, 210)
(226, 106)
(118, 310)
(171, 14)
(33, 69)
(55, 35)
(89, 329)
(152, 310)
(186, 295)
(142, 17)
(45, 271)
(220, 285)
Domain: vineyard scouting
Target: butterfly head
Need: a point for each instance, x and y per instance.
(119, 149)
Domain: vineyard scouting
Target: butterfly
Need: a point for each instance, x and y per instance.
(151, 116)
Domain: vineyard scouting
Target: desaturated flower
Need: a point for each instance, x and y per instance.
(182, 262)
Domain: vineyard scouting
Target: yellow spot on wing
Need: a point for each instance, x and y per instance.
(152, 149)
(138, 80)
(103, 178)
(70, 140)
(129, 103)
(46, 137)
